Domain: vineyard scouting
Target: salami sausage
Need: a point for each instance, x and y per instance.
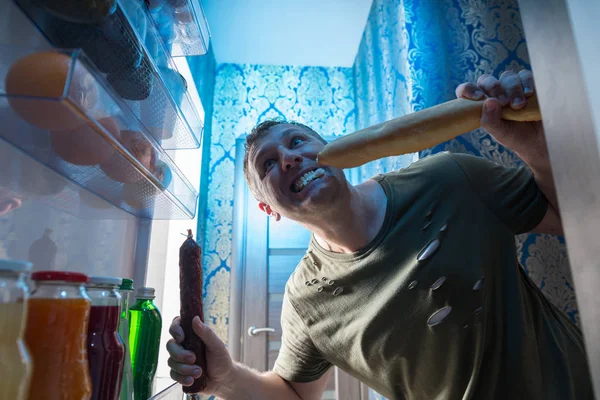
(190, 291)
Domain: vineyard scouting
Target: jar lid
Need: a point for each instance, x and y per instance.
(104, 280)
(15, 265)
(145, 293)
(74, 277)
(127, 284)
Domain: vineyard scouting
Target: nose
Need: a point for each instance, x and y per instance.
(290, 159)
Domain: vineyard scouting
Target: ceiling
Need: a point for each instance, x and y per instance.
(287, 32)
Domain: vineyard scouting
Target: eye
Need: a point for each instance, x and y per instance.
(268, 164)
(296, 141)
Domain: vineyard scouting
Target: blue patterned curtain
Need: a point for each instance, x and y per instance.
(413, 54)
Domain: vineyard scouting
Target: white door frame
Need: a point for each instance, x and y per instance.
(249, 309)
(562, 40)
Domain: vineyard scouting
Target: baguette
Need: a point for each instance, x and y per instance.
(416, 132)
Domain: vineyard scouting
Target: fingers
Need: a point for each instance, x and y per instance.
(184, 369)
(514, 89)
(493, 88)
(184, 380)
(176, 331)
(208, 336)
(491, 120)
(526, 77)
(179, 354)
(470, 91)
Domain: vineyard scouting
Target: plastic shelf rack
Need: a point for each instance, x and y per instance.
(182, 26)
(59, 109)
(123, 43)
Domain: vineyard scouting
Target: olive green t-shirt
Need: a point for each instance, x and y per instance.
(437, 305)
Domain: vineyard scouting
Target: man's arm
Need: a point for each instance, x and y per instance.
(228, 380)
(246, 384)
(542, 173)
(526, 139)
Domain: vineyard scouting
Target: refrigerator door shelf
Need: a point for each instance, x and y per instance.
(76, 125)
(127, 49)
(182, 25)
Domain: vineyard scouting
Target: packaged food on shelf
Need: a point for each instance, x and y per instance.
(127, 48)
(16, 366)
(55, 333)
(105, 147)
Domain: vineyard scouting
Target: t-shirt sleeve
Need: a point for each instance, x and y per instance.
(298, 359)
(511, 193)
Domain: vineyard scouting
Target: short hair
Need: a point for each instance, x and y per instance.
(260, 131)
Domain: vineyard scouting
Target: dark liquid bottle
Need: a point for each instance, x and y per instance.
(106, 350)
(145, 324)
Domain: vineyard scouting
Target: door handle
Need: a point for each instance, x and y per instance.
(253, 331)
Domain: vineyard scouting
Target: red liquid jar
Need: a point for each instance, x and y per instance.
(105, 347)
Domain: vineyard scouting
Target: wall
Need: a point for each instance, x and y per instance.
(322, 98)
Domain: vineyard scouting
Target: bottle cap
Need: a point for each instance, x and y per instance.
(74, 277)
(145, 293)
(127, 284)
(104, 280)
(15, 266)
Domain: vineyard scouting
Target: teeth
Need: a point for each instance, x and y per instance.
(307, 178)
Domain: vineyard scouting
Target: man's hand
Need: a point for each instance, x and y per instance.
(526, 139)
(181, 361)
(512, 89)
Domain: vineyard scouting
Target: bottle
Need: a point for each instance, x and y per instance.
(106, 350)
(56, 331)
(145, 326)
(127, 383)
(15, 362)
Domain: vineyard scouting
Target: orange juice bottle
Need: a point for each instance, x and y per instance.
(56, 332)
(15, 363)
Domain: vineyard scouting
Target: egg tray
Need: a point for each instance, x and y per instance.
(90, 136)
(121, 39)
(181, 25)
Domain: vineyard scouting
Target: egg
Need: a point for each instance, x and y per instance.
(142, 194)
(84, 145)
(44, 74)
(120, 169)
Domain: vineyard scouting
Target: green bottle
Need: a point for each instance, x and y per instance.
(145, 324)
(127, 383)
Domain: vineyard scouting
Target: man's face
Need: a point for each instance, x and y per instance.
(283, 165)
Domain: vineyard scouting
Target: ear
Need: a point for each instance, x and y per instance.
(264, 207)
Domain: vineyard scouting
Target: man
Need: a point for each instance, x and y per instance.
(411, 282)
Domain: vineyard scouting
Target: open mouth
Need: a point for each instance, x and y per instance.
(305, 179)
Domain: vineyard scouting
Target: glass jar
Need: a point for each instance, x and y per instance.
(127, 382)
(106, 351)
(57, 321)
(15, 362)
